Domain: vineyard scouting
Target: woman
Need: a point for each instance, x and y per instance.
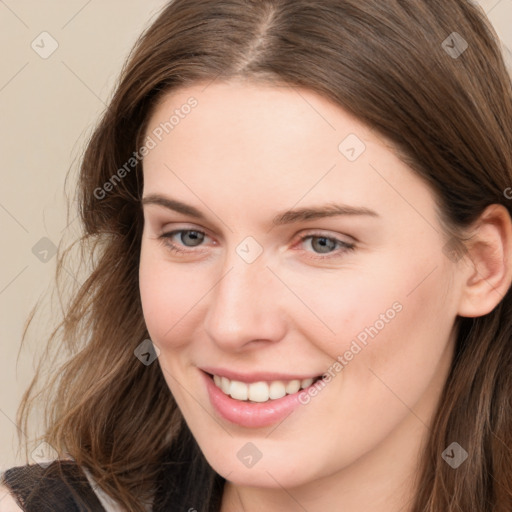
(300, 297)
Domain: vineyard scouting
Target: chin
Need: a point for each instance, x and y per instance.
(269, 467)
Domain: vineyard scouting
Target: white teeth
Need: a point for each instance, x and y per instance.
(306, 383)
(277, 389)
(293, 386)
(225, 384)
(238, 390)
(260, 391)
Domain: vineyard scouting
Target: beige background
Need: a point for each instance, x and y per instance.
(47, 108)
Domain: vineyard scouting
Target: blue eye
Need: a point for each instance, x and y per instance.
(185, 236)
(194, 237)
(327, 245)
(184, 240)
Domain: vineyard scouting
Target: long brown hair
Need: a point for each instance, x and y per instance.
(443, 99)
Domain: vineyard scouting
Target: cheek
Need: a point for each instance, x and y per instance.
(352, 304)
(168, 296)
(397, 312)
(401, 365)
(405, 357)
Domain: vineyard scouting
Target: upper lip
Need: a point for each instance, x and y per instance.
(250, 377)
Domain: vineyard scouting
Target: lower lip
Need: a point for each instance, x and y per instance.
(251, 414)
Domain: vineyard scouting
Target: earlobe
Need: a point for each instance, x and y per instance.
(488, 273)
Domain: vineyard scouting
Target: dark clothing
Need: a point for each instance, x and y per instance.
(186, 482)
(60, 487)
(63, 487)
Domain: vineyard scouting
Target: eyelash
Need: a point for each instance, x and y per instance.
(345, 246)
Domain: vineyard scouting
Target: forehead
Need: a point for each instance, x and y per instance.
(240, 140)
(238, 108)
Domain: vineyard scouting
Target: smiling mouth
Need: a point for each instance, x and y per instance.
(262, 391)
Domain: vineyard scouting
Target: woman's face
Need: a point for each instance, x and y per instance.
(294, 244)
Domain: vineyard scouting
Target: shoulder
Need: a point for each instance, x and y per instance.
(55, 487)
(7, 501)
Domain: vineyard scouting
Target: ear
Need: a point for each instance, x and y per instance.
(488, 273)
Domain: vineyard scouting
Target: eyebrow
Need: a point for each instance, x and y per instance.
(287, 217)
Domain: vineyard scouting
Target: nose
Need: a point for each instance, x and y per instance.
(246, 308)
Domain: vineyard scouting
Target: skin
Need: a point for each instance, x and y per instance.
(7, 502)
(245, 153)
